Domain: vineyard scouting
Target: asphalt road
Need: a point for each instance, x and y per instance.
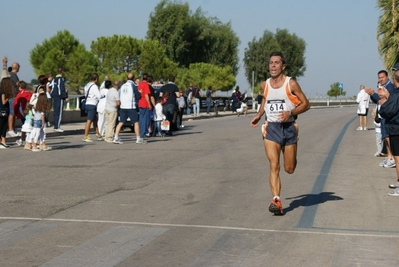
(200, 198)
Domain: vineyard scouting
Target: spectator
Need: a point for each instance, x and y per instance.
(389, 110)
(101, 107)
(182, 104)
(188, 93)
(377, 129)
(384, 81)
(158, 118)
(59, 95)
(144, 106)
(21, 100)
(15, 84)
(150, 80)
(363, 100)
(5, 94)
(129, 96)
(170, 105)
(208, 95)
(93, 96)
(111, 111)
(196, 94)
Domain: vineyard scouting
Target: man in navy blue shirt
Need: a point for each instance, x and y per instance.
(383, 81)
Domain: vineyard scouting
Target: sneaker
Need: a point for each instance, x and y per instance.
(117, 141)
(35, 149)
(148, 134)
(12, 134)
(59, 130)
(394, 193)
(365, 129)
(390, 164)
(100, 138)
(276, 207)
(141, 141)
(19, 142)
(394, 186)
(359, 129)
(87, 139)
(28, 146)
(382, 163)
(108, 140)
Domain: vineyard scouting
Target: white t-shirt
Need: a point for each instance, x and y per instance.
(94, 94)
(112, 97)
(158, 116)
(101, 103)
(37, 116)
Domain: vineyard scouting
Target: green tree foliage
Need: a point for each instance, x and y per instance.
(192, 38)
(388, 32)
(81, 64)
(205, 75)
(256, 55)
(153, 60)
(335, 91)
(117, 54)
(63, 50)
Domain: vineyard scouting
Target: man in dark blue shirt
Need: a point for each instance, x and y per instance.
(383, 81)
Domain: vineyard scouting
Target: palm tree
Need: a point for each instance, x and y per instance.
(388, 32)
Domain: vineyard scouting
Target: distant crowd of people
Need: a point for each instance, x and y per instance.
(109, 107)
(32, 108)
(112, 105)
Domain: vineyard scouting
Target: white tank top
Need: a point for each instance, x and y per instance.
(279, 100)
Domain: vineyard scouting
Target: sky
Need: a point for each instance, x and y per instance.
(340, 35)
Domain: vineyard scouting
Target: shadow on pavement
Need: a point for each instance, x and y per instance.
(310, 200)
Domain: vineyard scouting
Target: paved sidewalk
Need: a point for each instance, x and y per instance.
(78, 127)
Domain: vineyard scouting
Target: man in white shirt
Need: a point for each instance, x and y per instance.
(111, 111)
(92, 97)
(129, 97)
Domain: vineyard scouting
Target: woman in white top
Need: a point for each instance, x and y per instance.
(363, 100)
(101, 107)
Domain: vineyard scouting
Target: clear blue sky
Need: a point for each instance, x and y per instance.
(340, 35)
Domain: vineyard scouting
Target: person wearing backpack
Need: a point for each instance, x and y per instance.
(92, 97)
(59, 95)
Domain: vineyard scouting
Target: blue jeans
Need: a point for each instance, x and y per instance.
(157, 128)
(188, 107)
(144, 117)
(208, 105)
(196, 107)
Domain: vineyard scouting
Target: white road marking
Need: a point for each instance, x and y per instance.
(344, 232)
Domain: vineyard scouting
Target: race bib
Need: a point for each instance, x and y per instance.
(276, 107)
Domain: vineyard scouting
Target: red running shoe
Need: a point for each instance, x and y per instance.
(276, 207)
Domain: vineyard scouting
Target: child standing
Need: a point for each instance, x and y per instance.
(39, 121)
(182, 104)
(158, 117)
(20, 102)
(28, 126)
(378, 136)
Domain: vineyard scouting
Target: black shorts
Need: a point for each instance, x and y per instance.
(394, 144)
(364, 115)
(282, 133)
(128, 113)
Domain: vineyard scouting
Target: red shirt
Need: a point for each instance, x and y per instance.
(20, 101)
(144, 88)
